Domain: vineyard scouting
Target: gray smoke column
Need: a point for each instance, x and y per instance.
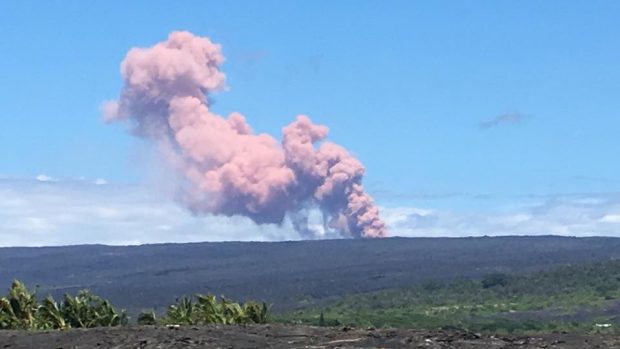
(227, 169)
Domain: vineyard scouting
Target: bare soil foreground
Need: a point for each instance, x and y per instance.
(285, 336)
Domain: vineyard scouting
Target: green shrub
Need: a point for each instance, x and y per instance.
(206, 309)
(18, 309)
(147, 318)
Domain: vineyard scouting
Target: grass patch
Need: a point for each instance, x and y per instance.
(539, 302)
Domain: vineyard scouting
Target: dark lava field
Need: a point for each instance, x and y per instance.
(284, 273)
(287, 336)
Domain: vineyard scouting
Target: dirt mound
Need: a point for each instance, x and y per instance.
(283, 336)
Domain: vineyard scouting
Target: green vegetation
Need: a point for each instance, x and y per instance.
(542, 301)
(579, 297)
(205, 309)
(20, 309)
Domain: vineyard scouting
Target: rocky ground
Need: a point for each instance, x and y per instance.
(284, 336)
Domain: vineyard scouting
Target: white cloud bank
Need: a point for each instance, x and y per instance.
(44, 178)
(38, 213)
(35, 213)
(568, 215)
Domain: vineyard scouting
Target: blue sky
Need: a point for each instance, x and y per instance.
(407, 86)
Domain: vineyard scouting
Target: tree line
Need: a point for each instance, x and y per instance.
(20, 309)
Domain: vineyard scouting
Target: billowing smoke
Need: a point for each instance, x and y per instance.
(226, 168)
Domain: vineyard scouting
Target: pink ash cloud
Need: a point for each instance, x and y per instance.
(226, 168)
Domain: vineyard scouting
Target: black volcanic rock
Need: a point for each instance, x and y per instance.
(284, 273)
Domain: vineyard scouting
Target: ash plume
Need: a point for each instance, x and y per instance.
(226, 168)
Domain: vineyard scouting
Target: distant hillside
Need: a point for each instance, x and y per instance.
(285, 273)
(570, 298)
